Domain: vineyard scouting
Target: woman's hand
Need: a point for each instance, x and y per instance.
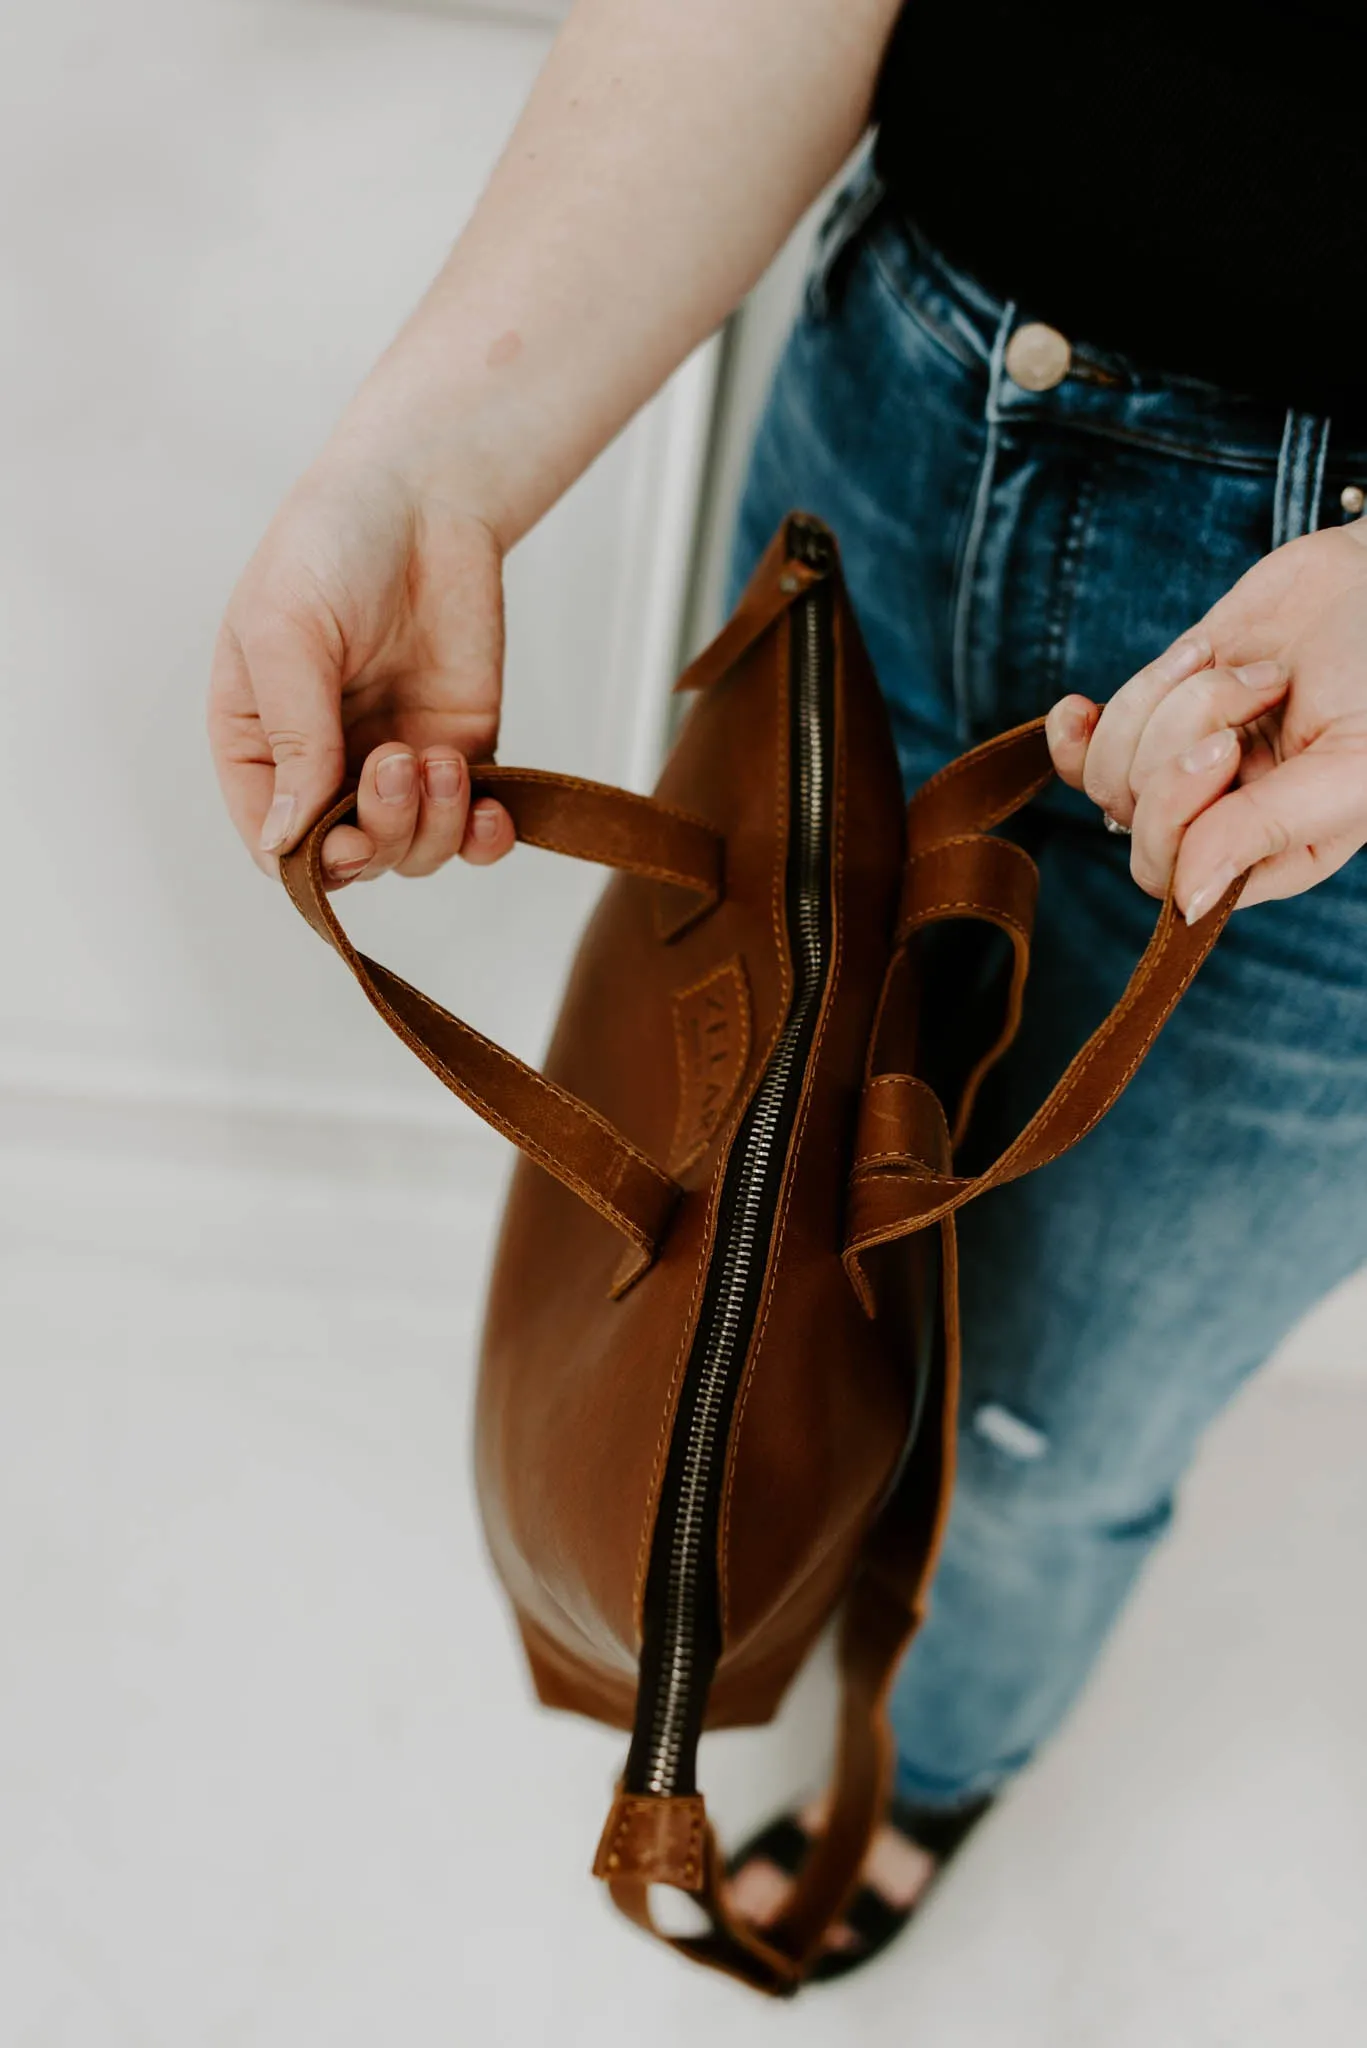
(1244, 745)
(366, 637)
(364, 642)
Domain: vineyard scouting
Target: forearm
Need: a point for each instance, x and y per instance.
(666, 151)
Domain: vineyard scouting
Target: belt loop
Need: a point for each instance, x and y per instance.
(1300, 476)
(1317, 465)
(982, 496)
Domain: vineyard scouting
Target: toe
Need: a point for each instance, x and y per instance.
(759, 1891)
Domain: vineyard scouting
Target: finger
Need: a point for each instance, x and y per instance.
(488, 835)
(387, 805)
(1106, 777)
(443, 811)
(241, 758)
(1174, 795)
(1068, 729)
(1292, 827)
(294, 690)
(1213, 700)
(347, 853)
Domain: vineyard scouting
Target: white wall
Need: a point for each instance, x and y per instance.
(213, 213)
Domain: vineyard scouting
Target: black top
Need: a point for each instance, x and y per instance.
(1180, 181)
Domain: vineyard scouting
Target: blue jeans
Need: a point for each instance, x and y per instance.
(1003, 548)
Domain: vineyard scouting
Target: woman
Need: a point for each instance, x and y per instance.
(1078, 382)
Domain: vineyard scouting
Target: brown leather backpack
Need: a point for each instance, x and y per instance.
(718, 1390)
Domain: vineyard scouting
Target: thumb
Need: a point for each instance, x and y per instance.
(277, 730)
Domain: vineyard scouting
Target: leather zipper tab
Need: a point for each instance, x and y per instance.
(651, 1840)
(802, 553)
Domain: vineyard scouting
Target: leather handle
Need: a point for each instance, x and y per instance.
(591, 821)
(899, 1188)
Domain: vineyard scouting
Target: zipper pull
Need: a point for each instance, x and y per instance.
(811, 543)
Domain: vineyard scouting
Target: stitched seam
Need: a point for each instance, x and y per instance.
(1068, 567)
(686, 879)
(777, 901)
(985, 911)
(941, 336)
(795, 1144)
(954, 771)
(622, 1146)
(630, 1808)
(530, 1146)
(1000, 1172)
(1008, 846)
(545, 778)
(360, 967)
(736, 971)
(781, 751)
(1242, 462)
(965, 606)
(921, 1167)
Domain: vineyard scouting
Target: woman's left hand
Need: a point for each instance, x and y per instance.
(1244, 745)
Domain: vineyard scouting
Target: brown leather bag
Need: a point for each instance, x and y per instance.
(718, 1390)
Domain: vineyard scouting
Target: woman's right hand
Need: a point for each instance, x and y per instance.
(364, 643)
(365, 639)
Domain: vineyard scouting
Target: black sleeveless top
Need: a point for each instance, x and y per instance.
(1181, 181)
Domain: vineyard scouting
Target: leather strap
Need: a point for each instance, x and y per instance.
(571, 1140)
(897, 1189)
(995, 882)
(779, 577)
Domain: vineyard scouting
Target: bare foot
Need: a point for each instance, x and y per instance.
(898, 1870)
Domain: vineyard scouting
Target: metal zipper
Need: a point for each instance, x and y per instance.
(682, 1627)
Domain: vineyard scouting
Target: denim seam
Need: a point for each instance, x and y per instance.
(1069, 564)
(1208, 456)
(942, 336)
(849, 217)
(1300, 476)
(1317, 468)
(977, 526)
(1281, 496)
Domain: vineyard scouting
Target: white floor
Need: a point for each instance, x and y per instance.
(269, 1775)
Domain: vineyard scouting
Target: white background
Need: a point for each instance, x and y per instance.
(269, 1775)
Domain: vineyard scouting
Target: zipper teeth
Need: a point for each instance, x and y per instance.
(670, 1719)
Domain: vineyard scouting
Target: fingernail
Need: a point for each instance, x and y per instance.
(442, 779)
(1069, 723)
(396, 778)
(1209, 894)
(279, 818)
(484, 822)
(1259, 675)
(1209, 752)
(1183, 660)
(347, 870)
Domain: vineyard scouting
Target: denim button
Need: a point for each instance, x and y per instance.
(1038, 357)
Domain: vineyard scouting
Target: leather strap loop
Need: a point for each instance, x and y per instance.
(982, 788)
(996, 882)
(571, 1140)
(618, 829)
(901, 1123)
(970, 875)
(886, 1201)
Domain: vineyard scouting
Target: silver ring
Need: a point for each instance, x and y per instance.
(1114, 825)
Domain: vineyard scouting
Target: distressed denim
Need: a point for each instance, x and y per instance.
(1004, 547)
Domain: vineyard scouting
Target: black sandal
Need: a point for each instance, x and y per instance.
(786, 1844)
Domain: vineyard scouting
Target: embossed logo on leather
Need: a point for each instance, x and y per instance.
(712, 1034)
